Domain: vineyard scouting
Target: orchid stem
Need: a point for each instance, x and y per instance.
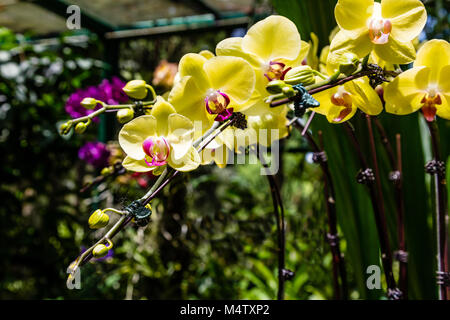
(281, 229)
(324, 85)
(403, 272)
(440, 207)
(107, 107)
(378, 207)
(386, 254)
(308, 123)
(340, 290)
(397, 180)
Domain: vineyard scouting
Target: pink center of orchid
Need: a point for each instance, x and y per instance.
(157, 149)
(276, 71)
(429, 101)
(342, 99)
(379, 30)
(217, 103)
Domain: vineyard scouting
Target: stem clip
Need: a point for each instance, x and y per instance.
(401, 255)
(443, 278)
(303, 100)
(139, 212)
(365, 176)
(333, 239)
(394, 294)
(435, 167)
(319, 157)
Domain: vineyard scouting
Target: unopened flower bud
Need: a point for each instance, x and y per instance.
(98, 219)
(106, 171)
(288, 91)
(348, 63)
(136, 89)
(65, 127)
(275, 86)
(300, 74)
(89, 103)
(80, 127)
(100, 251)
(125, 115)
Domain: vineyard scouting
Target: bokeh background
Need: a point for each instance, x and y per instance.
(213, 232)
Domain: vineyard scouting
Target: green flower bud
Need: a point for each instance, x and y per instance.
(81, 127)
(275, 86)
(98, 219)
(125, 115)
(100, 251)
(65, 127)
(301, 74)
(348, 63)
(136, 89)
(89, 103)
(288, 91)
(106, 171)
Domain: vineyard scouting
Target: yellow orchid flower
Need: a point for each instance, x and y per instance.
(426, 86)
(211, 89)
(161, 138)
(272, 46)
(387, 28)
(340, 103)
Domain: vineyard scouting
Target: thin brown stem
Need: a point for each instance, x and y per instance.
(440, 207)
(396, 177)
(403, 272)
(281, 231)
(386, 254)
(386, 143)
(340, 288)
(378, 206)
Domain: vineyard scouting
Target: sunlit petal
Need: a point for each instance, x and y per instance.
(404, 93)
(133, 134)
(191, 64)
(181, 134)
(396, 52)
(352, 15)
(161, 111)
(436, 55)
(189, 162)
(233, 76)
(233, 47)
(408, 17)
(271, 38)
(364, 96)
(136, 165)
